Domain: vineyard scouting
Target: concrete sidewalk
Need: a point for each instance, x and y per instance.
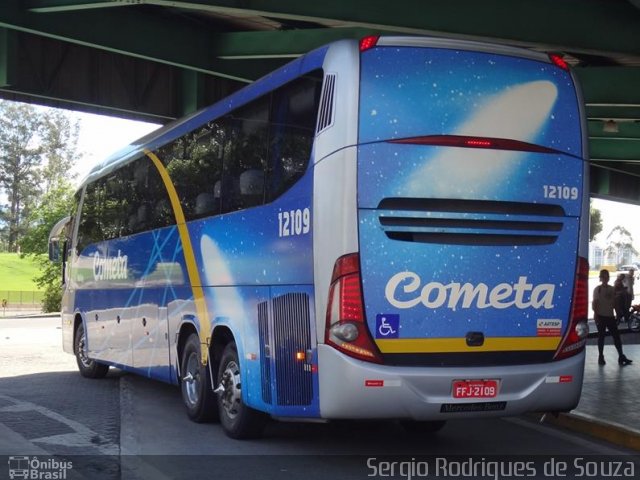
(609, 405)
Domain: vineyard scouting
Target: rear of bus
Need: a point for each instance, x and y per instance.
(464, 292)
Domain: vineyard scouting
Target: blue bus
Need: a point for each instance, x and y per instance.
(391, 228)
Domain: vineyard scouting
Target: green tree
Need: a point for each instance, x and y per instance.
(595, 225)
(37, 152)
(54, 205)
(60, 148)
(20, 157)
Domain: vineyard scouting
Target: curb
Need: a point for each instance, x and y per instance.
(15, 314)
(612, 432)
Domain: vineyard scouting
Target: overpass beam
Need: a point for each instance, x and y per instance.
(8, 63)
(192, 92)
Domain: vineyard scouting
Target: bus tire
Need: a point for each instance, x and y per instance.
(88, 368)
(238, 420)
(422, 427)
(195, 384)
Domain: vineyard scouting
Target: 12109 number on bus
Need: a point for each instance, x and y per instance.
(294, 222)
(561, 192)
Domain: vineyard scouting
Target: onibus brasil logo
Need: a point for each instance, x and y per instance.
(38, 469)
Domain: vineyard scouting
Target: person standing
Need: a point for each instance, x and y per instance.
(620, 304)
(629, 281)
(603, 305)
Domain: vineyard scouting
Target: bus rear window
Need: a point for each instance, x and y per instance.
(410, 92)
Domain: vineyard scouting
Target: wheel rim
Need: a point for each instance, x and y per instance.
(191, 380)
(82, 351)
(232, 394)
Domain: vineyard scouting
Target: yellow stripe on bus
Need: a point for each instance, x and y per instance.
(457, 345)
(189, 256)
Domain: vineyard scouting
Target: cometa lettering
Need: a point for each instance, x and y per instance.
(521, 295)
(110, 268)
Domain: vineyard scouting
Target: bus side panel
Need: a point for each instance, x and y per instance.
(124, 287)
(180, 311)
(293, 351)
(264, 245)
(273, 329)
(239, 308)
(256, 267)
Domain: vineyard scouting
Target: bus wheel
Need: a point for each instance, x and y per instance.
(412, 426)
(88, 368)
(197, 395)
(237, 419)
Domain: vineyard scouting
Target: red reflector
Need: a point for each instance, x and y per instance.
(558, 61)
(374, 383)
(368, 42)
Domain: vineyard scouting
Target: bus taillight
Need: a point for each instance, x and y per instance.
(576, 335)
(346, 328)
(368, 42)
(558, 61)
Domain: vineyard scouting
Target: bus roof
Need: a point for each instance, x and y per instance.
(284, 74)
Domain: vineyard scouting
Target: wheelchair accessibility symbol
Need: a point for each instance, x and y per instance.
(387, 325)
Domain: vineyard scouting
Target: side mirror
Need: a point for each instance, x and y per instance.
(54, 250)
(56, 238)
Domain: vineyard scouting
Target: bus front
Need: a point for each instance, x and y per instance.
(465, 290)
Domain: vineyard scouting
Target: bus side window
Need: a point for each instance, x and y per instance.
(247, 153)
(251, 184)
(293, 116)
(72, 243)
(114, 197)
(89, 229)
(194, 163)
(205, 203)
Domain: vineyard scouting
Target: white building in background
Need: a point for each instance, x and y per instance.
(596, 256)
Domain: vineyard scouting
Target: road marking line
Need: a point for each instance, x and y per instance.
(83, 436)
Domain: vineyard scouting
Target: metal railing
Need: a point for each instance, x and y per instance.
(19, 299)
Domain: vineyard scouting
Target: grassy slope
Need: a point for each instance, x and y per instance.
(17, 273)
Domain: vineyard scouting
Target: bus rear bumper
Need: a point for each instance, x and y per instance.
(353, 389)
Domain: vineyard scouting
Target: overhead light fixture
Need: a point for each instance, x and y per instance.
(610, 126)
